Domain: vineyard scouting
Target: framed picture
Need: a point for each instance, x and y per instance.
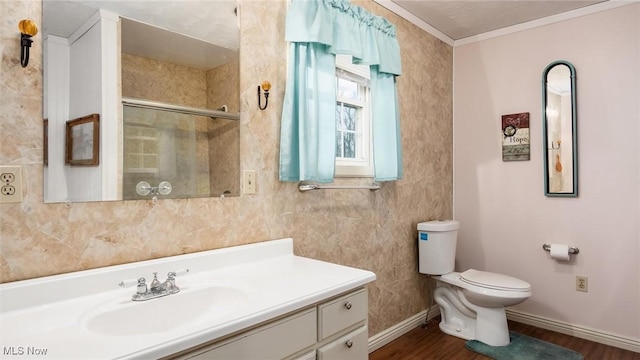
(83, 141)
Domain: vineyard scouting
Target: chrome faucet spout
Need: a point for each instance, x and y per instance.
(155, 284)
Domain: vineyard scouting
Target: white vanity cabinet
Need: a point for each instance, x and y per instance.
(333, 329)
(251, 302)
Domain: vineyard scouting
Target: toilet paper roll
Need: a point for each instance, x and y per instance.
(560, 252)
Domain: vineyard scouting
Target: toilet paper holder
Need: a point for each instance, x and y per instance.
(572, 249)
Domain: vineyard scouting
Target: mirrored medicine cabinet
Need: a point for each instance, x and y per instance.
(182, 57)
(559, 127)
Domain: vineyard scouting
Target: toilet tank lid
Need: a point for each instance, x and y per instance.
(494, 281)
(439, 225)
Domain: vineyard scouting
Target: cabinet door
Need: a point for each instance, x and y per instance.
(273, 341)
(343, 312)
(353, 346)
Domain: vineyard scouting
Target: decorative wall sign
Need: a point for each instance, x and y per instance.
(83, 141)
(515, 137)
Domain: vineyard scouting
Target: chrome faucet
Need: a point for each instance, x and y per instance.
(156, 289)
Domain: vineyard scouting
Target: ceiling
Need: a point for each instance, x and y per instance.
(201, 34)
(459, 19)
(199, 20)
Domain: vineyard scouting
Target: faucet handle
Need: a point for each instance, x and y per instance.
(173, 274)
(140, 282)
(131, 282)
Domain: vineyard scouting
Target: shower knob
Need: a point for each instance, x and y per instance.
(143, 188)
(164, 188)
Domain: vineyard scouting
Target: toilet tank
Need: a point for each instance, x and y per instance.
(437, 246)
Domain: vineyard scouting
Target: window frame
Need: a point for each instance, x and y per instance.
(363, 167)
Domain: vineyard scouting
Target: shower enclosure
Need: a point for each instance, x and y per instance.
(195, 150)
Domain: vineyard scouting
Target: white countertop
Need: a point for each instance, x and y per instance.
(47, 317)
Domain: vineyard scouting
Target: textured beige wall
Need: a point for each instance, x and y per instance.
(222, 86)
(222, 89)
(369, 230)
(150, 79)
(224, 152)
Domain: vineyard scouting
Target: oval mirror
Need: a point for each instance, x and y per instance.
(559, 129)
(161, 80)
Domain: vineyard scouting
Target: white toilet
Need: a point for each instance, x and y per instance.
(471, 302)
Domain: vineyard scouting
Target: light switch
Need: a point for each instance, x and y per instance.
(249, 182)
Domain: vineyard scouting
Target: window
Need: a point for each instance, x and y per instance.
(353, 119)
(140, 149)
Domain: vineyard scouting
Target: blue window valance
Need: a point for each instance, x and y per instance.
(345, 29)
(318, 30)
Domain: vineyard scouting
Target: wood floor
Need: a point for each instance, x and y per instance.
(432, 344)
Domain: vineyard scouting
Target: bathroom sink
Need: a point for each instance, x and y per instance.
(191, 305)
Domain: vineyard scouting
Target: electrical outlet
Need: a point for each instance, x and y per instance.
(582, 283)
(7, 190)
(249, 182)
(7, 177)
(10, 184)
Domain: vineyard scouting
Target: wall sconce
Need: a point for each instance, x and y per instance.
(266, 86)
(28, 29)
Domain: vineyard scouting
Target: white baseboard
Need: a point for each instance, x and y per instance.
(574, 330)
(386, 336)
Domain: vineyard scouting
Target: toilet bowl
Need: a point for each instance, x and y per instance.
(471, 302)
(475, 311)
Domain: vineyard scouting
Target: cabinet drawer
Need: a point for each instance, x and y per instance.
(341, 313)
(354, 345)
(311, 355)
(273, 341)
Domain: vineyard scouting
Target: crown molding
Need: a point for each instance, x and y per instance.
(400, 11)
(587, 10)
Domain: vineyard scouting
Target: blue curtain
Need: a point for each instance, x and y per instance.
(317, 30)
(387, 145)
(308, 130)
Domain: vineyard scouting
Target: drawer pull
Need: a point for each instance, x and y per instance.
(348, 305)
(349, 344)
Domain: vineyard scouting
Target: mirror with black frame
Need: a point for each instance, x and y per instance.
(559, 127)
(163, 78)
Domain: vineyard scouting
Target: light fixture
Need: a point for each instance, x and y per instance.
(266, 86)
(28, 29)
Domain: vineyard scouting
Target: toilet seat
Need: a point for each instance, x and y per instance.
(494, 281)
